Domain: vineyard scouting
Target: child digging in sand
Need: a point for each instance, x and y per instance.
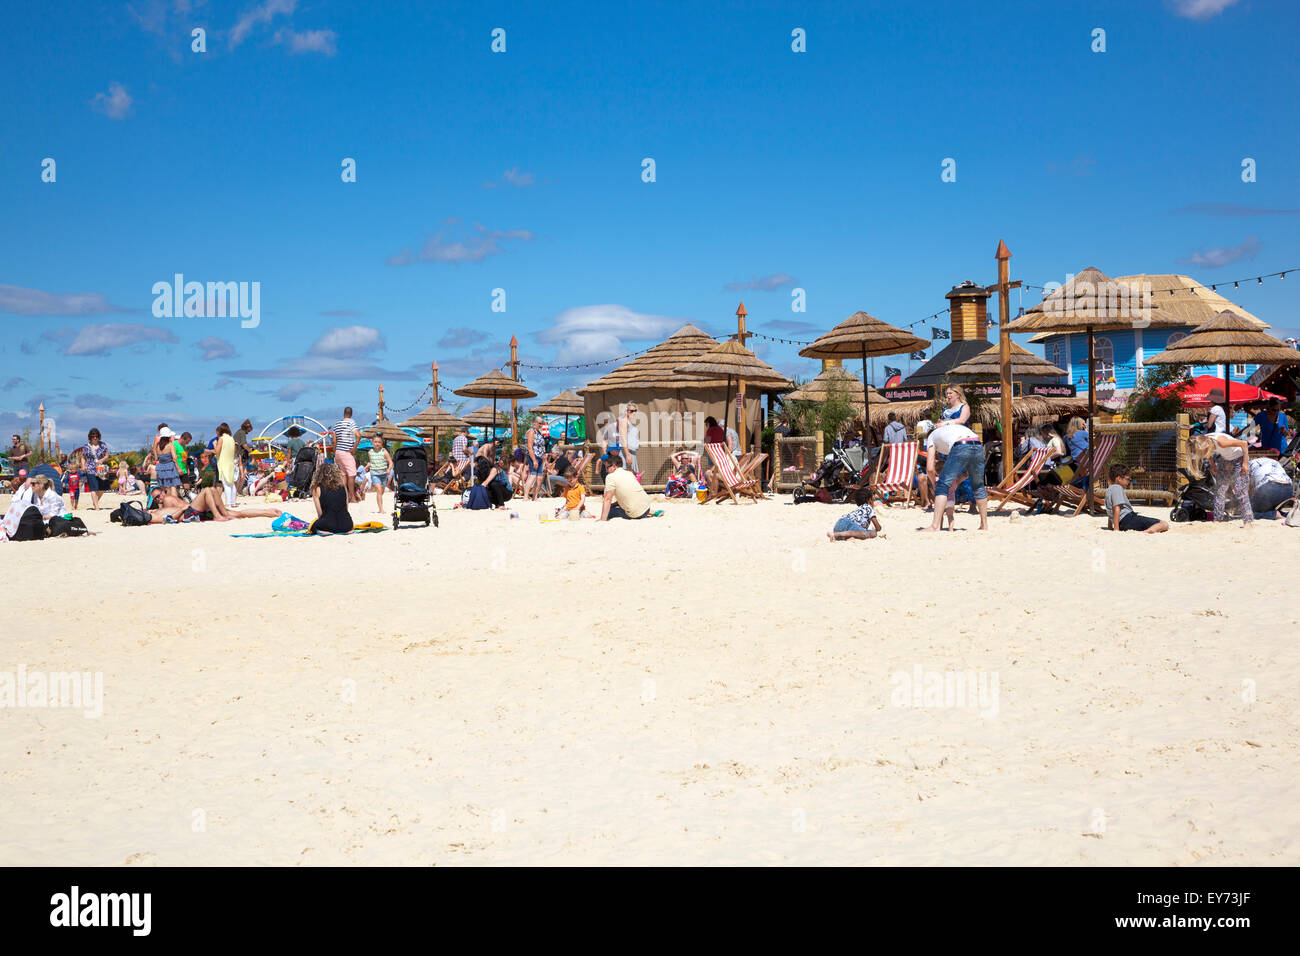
(860, 523)
(1121, 513)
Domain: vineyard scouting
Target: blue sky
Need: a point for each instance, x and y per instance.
(522, 171)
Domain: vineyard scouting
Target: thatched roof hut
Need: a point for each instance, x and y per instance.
(1227, 338)
(832, 379)
(1025, 408)
(988, 365)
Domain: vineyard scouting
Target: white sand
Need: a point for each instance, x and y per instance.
(711, 687)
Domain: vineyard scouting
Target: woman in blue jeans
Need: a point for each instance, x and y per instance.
(965, 456)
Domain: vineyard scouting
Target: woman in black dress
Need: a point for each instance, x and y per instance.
(331, 500)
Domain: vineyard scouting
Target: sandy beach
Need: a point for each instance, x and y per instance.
(721, 685)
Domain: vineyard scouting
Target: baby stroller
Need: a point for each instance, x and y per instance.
(411, 498)
(304, 469)
(1196, 501)
(839, 475)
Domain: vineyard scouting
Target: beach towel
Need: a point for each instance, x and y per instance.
(367, 527)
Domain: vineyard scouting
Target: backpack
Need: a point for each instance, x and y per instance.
(478, 498)
(130, 514)
(31, 526)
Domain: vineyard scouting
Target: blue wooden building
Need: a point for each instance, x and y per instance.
(1119, 355)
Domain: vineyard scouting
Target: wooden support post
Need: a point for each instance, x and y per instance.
(1004, 354)
(381, 402)
(514, 402)
(433, 384)
(741, 335)
(1180, 444)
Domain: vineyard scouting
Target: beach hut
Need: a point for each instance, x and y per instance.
(494, 385)
(671, 406)
(731, 360)
(861, 336)
(1228, 339)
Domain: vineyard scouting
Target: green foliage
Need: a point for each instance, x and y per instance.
(1145, 404)
(830, 416)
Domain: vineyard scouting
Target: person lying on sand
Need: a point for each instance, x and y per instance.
(207, 504)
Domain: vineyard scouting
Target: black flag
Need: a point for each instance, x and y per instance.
(891, 372)
(939, 333)
(917, 356)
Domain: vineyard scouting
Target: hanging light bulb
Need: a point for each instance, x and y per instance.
(1261, 280)
(1234, 285)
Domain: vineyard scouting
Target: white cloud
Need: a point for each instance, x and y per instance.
(20, 301)
(213, 347)
(102, 339)
(308, 41)
(763, 283)
(1215, 258)
(1201, 9)
(512, 177)
(254, 16)
(474, 247)
(593, 332)
(293, 391)
(114, 104)
(350, 341)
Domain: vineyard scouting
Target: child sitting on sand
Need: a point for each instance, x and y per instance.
(860, 523)
(1120, 512)
(574, 504)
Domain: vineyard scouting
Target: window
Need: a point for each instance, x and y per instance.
(1239, 370)
(1056, 354)
(1104, 355)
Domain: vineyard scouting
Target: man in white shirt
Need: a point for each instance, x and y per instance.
(965, 455)
(1216, 422)
(624, 496)
(1270, 486)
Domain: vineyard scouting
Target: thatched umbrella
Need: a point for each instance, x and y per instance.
(864, 335)
(1227, 339)
(489, 418)
(385, 430)
(988, 364)
(568, 403)
(430, 420)
(731, 360)
(833, 378)
(1091, 302)
(495, 384)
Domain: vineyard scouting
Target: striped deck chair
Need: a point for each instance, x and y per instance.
(1013, 483)
(730, 483)
(901, 474)
(751, 469)
(1102, 448)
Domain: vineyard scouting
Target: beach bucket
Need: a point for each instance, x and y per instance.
(701, 493)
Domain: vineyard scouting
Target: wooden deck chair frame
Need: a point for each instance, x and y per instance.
(1010, 486)
(907, 484)
(749, 471)
(735, 487)
(1102, 449)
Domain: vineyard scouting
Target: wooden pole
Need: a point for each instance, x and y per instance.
(741, 335)
(866, 409)
(514, 402)
(433, 366)
(1004, 354)
(1180, 443)
(40, 437)
(1092, 410)
(381, 403)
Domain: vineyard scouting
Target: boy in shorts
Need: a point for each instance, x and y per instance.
(1120, 512)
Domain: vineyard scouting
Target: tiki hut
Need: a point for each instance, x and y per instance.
(671, 406)
(834, 379)
(731, 360)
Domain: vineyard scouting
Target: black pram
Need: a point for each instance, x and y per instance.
(411, 496)
(304, 469)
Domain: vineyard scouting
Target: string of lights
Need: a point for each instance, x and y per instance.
(934, 316)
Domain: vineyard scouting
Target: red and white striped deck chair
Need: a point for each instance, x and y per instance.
(730, 482)
(901, 474)
(1103, 446)
(1032, 464)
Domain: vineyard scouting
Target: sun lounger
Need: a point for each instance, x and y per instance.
(1103, 447)
(1022, 473)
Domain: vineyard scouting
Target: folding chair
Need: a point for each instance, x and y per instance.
(1103, 447)
(730, 482)
(902, 469)
(751, 471)
(1010, 486)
